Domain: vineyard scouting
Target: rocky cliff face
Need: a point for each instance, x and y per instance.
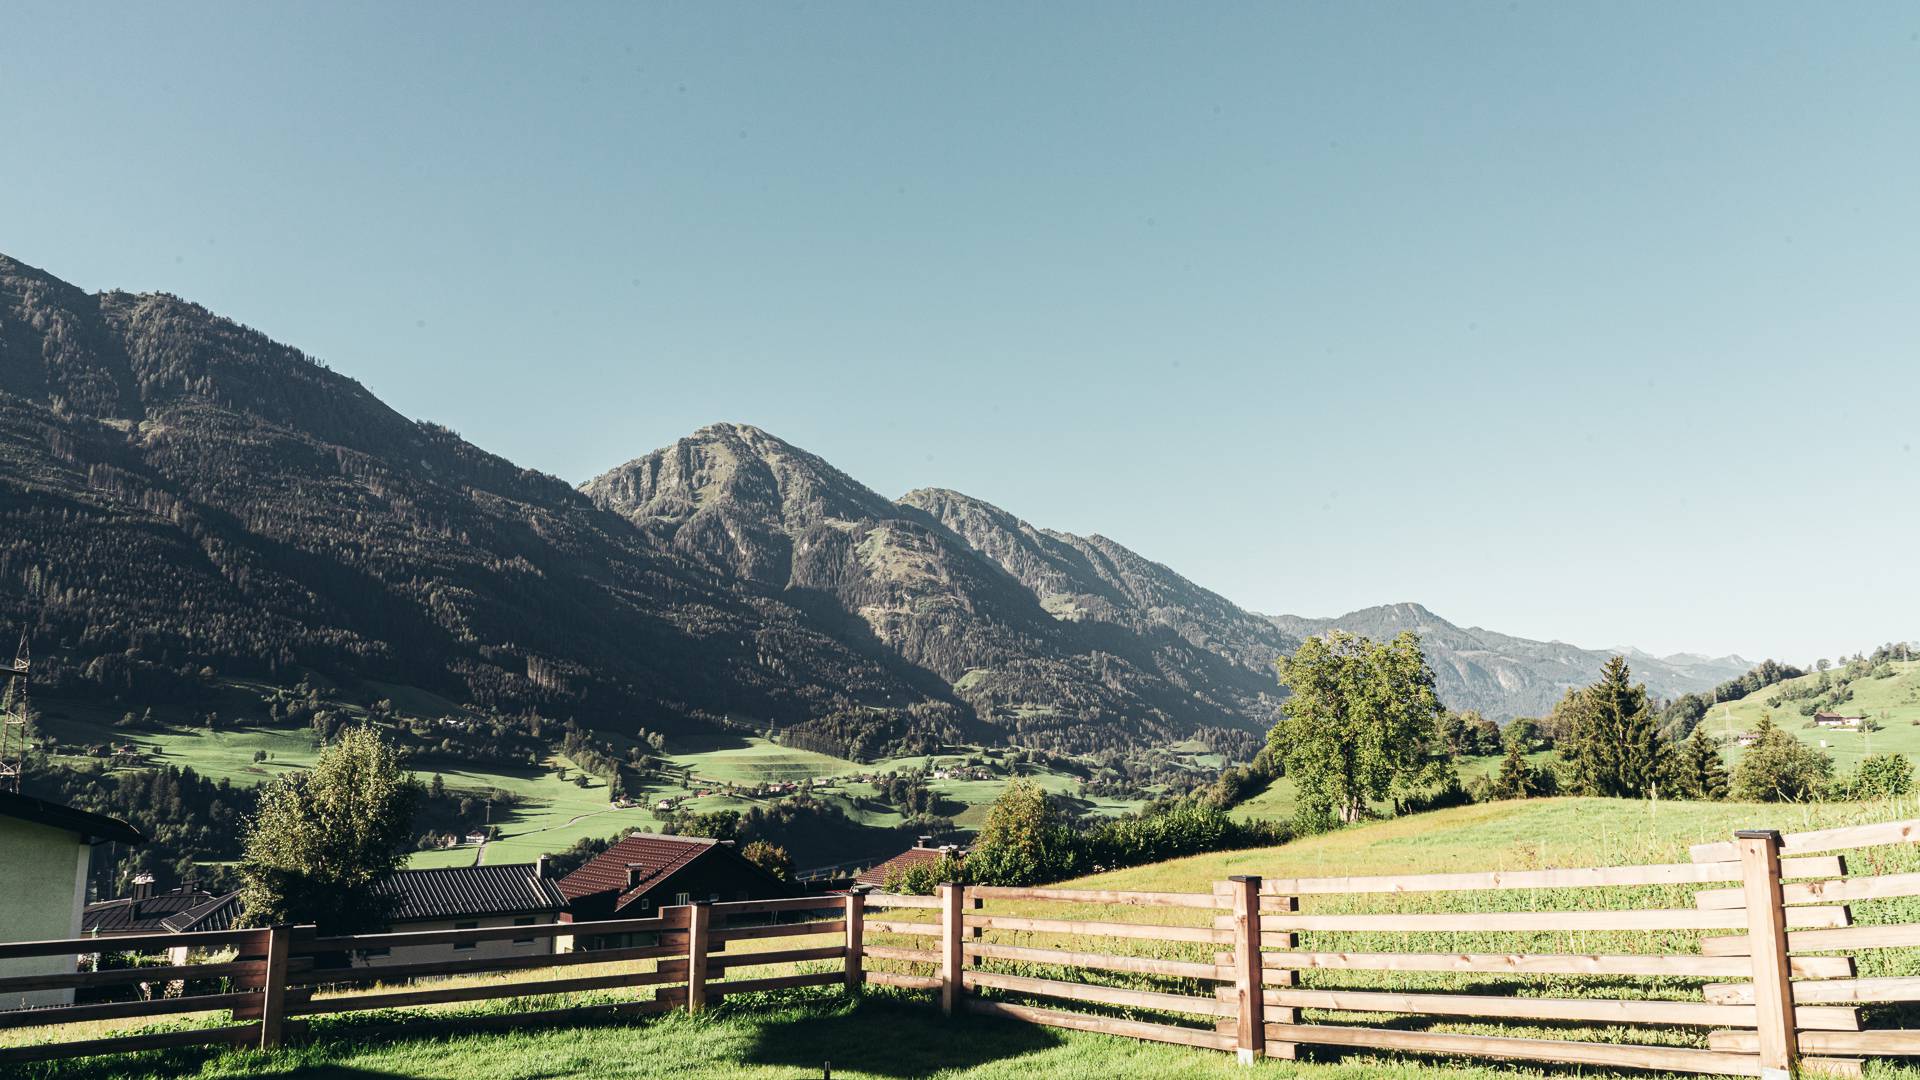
(944, 599)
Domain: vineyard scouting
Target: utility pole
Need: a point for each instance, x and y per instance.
(13, 719)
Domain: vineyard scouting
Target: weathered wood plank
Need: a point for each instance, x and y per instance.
(1575, 877)
(114, 976)
(305, 943)
(1809, 892)
(1898, 936)
(128, 1044)
(1825, 992)
(823, 902)
(778, 982)
(673, 971)
(1663, 1058)
(902, 900)
(804, 929)
(1549, 964)
(723, 961)
(1098, 896)
(1604, 1010)
(1879, 1043)
(1841, 839)
(1131, 1029)
(1144, 965)
(910, 982)
(477, 965)
(1102, 929)
(884, 926)
(891, 952)
(114, 1010)
(244, 940)
(1103, 995)
(1495, 921)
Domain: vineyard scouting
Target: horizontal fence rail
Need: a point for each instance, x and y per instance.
(1753, 948)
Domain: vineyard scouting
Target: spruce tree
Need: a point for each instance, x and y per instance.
(1698, 772)
(1616, 747)
(1516, 779)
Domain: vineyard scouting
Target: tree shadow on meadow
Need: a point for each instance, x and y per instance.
(895, 1040)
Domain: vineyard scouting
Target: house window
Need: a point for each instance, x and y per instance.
(524, 920)
(463, 946)
(646, 903)
(713, 898)
(683, 899)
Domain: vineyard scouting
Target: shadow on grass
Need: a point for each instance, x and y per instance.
(892, 1038)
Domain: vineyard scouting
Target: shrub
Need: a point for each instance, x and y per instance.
(1780, 768)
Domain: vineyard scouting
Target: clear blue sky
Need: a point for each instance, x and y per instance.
(1594, 322)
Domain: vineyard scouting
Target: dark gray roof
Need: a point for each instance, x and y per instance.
(128, 915)
(90, 825)
(217, 913)
(455, 891)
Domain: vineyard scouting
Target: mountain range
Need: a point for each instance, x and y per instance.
(180, 493)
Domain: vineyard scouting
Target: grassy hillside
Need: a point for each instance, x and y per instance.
(1518, 835)
(1892, 699)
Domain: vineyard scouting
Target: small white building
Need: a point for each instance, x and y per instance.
(46, 852)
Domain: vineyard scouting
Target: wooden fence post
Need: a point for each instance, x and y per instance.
(952, 958)
(698, 917)
(856, 933)
(1250, 1040)
(273, 988)
(1767, 937)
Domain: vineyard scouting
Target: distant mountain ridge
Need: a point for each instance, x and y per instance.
(946, 583)
(1505, 676)
(179, 493)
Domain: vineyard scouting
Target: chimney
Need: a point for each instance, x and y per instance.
(142, 886)
(634, 873)
(541, 869)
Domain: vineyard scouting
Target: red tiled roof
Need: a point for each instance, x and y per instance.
(916, 856)
(654, 855)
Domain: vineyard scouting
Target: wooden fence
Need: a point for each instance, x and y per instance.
(1744, 961)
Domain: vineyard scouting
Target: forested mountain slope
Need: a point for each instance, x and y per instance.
(177, 491)
(740, 501)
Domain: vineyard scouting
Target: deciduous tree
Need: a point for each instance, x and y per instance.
(1359, 726)
(320, 842)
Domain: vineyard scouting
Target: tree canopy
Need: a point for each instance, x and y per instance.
(1780, 768)
(1615, 745)
(320, 841)
(1361, 724)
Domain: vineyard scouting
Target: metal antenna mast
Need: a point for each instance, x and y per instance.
(13, 719)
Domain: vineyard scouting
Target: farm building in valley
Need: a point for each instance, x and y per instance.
(1835, 720)
(638, 876)
(47, 851)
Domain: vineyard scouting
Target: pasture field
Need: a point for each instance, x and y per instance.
(1894, 702)
(794, 1034)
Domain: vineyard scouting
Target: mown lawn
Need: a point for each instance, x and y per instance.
(883, 1037)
